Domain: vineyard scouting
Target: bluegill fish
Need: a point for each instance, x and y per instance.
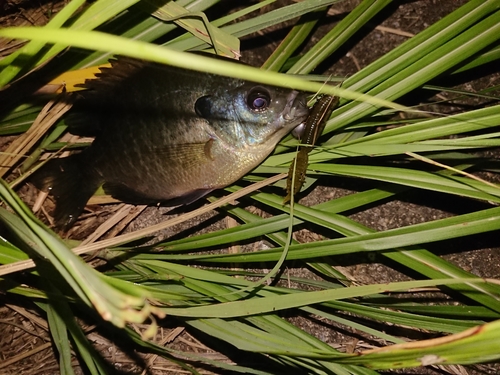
(166, 134)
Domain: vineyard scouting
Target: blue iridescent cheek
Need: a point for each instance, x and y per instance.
(214, 108)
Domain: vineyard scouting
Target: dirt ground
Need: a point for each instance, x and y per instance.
(24, 339)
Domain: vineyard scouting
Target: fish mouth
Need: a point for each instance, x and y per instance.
(298, 131)
(296, 107)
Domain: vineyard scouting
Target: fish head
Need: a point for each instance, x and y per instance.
(252, 114)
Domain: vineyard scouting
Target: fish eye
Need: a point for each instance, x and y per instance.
(258, 99)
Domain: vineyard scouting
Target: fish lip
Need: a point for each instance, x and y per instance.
(298, 131)
(295, 106)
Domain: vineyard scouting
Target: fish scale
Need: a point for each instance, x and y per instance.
(166, 135)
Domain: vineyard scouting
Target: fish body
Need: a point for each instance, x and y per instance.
(166, 134)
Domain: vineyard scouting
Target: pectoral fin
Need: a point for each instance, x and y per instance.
(187, 155)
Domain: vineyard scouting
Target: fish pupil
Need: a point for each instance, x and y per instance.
(258, 100)
(259, 103)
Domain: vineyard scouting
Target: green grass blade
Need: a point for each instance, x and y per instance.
(454, 227)
(339, 35)
(478, 344)
(105, 42)
(293, 40)
(276, 303)
(10, 69)
(60, 338)
(462, 186)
